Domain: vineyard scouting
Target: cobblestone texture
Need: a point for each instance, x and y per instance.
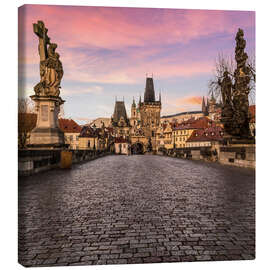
(137, 209)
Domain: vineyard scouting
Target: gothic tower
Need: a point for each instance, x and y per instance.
(150, 112)
(119, 120)
(204, 107)
(133, 114)
(212, 106)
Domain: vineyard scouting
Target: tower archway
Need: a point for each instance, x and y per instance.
(137, 148)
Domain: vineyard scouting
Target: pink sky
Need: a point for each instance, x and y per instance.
(108, 51)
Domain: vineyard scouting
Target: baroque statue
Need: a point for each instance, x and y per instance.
(235, 104)
(51, 69)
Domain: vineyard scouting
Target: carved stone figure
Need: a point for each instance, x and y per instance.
(51, 69)
(226, 88)
(47, 133)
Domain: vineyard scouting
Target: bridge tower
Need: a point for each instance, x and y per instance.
(150, 112)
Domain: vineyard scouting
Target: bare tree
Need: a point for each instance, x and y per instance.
(251, 63)
(62, 112)
(227, 63)
(25, 105)
(26, 121)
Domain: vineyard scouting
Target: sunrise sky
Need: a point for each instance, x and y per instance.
(106, 52)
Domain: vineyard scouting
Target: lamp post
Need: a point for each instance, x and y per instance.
(173, 140)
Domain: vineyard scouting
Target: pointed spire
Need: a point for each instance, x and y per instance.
(149, 94)
(140, 100)
(160, 96)
(133, 103)
(213, 100)
(203, 105)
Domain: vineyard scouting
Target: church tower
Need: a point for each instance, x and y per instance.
(212, 107)
(204, 107)
(150, 112)
(119, 120)
(133, 114)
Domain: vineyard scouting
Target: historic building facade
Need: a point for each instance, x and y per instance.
(141, 128)
(150, 113)
(119, 121)
(71, 132)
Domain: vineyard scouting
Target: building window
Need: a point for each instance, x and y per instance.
(88, 144)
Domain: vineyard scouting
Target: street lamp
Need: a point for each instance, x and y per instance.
(174, 140)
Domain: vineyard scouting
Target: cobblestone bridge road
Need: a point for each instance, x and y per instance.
(137, 209)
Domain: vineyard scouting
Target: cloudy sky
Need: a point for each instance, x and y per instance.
(107, 52)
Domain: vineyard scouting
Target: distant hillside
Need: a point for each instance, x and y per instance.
(182, 116)
(98, 122)
(181, 113)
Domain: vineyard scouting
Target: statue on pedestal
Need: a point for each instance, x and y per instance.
(235, 96)
(47, 93)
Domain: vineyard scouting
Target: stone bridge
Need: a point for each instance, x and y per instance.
(137, 209)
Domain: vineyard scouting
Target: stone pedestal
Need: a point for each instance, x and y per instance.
(47, 133)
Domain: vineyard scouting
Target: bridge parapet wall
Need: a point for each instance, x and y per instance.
(237, 155)
(241, 156)
(34, 161)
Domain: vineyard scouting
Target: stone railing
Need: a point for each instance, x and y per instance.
(241, 156)
(34, 161)
(195, 153)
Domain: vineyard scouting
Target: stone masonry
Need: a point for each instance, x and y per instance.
(137, 209)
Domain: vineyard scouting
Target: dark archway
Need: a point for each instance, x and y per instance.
(137, 148)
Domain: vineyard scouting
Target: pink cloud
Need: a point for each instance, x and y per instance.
(121, 29)
(113, 28)
(195, 100)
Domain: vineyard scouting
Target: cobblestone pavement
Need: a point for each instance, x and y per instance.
(137, 209)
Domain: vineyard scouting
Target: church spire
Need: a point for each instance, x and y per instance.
(212, 100)
(203, 105)
(133, 103)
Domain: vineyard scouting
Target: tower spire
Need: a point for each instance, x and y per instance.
(149, 94)
(203, 104)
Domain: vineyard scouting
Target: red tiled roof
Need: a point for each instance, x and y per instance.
(199, 123)
(69, 126)
(89, 132)
(214, 133)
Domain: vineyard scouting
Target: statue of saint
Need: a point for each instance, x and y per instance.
(51, 69)
(235, 96)
(226, 88)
